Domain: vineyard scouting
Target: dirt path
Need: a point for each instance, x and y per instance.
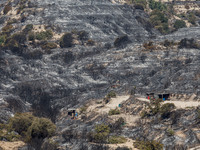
(178, 104)
(128, 144)
(11, 145)
(114, 102)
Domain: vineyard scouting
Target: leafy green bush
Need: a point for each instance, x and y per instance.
(179, 24)
(29, 126)
(157, 5)
(140, 4)
(166, 109)
(44, 35)
(41, 128)
(21, 122)
(28, 28)
(49, 45)
(2, 39)
(6, 9)
(159, 21)
(170, 132)
(116, 140)
(148, 145)
(115, 111)
(111, 94)
(101, 133)
(66, 40)
(83, 109)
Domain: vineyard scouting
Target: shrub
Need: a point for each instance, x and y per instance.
(144, 114)
(122, 148)
(179, 24)
(21, 122)
(121, 41)
(101, 133)
(6, 9)
(2, 39)
(19, 37)
(118, 124)
(166, 109)
(7, 28)
(13, 45)
(31, 36)
(116, 140)
(41, 128)
(159, 21)
(148, 145)
(48, 46)
(11, 21)
(170, 132)
(139, 6)
(115, 111)
(111, 94)
(28, 28)
(66, 40)
(192, 18)
(157, 5)
(44, 35)
(83, 109)
(140, 3)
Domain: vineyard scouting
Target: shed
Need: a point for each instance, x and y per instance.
(71, 112)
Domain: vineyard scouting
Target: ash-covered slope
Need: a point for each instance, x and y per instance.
(102, 19)
(69, 76)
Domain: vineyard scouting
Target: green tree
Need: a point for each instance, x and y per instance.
(179, 24)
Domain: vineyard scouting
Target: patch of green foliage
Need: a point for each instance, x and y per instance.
(111, 94)
(49, 45)
(116, 140)
(148, 145)
(83, 109)
(159, 21)
(179, 24)
(170, 132)
(2, 39)
(28, 28)
(166, 109)
(44, 35)
(31, 127)
(155, 107)
(101, 133)
(115, 111)
(192, 18)
(157, 5)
